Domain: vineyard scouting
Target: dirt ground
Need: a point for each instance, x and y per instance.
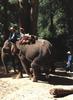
(25, 89)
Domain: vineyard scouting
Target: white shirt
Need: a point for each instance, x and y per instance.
(21, 34)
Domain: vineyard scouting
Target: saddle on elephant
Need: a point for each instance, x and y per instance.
(27, 39)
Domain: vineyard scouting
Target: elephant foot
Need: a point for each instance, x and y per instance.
(31, 70)
(15, 72)
(35, 79)
(19, 76)
(30, 76)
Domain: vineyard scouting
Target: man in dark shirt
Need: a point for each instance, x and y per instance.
(13, 36)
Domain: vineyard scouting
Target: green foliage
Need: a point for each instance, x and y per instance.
(59, 21)
(51, 19)
(13, 1)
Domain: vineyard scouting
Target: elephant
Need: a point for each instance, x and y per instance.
(36, 57)
(7, 57)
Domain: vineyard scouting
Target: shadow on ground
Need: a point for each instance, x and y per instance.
(58, 78)
(3, 75)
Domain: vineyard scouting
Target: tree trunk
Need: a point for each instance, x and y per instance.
(34, 15)
(28, 14)
(68, 10)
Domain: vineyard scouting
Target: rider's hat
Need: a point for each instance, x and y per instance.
(11, 29)
(21, 29)
(68, 52)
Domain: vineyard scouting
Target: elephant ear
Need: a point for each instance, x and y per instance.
(6, 47)
(14, 49)
(6, 44)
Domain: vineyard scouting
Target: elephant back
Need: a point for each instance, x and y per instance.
(45, 45)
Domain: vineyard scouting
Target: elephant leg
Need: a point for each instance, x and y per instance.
(35, 76)
(24, 67)
(47, 72)
(52, 68)
(20, 73)
(35, 65)
(24, 64)
(35, 69)
(5, 65)
(13, 63)
(6, 69)
(31, 73)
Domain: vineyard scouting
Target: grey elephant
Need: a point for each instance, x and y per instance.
(37, 56)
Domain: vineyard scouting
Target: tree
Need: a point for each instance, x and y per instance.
(51, 19)
(28, 14)
(5, 18)
(68, 9)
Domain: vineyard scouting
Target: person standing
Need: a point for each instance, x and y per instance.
(69, 61)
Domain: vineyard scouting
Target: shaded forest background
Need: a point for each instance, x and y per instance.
(48, 19)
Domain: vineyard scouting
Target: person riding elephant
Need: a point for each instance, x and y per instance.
(13, 36)
(20, 36)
